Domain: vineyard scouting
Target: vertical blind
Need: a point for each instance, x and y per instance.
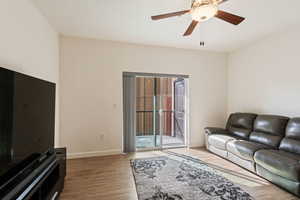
(129, 113)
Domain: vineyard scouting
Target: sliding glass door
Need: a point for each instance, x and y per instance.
(179, 112)
(160, 112)
(145, 113)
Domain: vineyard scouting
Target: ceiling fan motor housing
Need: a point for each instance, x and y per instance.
(203, 10)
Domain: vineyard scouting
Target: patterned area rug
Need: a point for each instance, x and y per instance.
(179, 177)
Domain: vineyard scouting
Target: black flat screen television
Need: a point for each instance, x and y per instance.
(27, 119)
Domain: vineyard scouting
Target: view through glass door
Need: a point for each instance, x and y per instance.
(160, 112)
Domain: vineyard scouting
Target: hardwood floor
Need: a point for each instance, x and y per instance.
(110, 177)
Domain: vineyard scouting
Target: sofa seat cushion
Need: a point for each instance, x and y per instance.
(219, 141)
(282, 163)
(244, 149)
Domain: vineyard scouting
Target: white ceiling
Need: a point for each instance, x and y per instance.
(129, 21)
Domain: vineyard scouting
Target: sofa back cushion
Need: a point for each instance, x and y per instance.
(241, 124)
(291, 141)
(269, 129)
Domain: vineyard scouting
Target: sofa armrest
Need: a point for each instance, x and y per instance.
(215, 130)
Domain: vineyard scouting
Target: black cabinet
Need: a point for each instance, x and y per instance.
(45, 182)
(61, 156)
(49, 187)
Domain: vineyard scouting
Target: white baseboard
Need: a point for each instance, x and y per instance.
(94, 154)
(196, 145)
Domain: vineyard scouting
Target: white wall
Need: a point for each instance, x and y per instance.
(91, 90)
(265, 77)
(28, 44)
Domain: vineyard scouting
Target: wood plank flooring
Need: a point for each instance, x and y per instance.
(110, 177)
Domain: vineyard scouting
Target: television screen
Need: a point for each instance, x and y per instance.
(27, 118)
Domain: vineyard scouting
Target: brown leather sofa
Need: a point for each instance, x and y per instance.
(267, 145)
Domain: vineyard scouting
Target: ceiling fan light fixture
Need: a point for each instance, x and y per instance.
(204, 12)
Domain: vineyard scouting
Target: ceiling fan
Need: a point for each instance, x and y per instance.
(203, 10)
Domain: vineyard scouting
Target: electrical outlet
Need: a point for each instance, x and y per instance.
(101, 137)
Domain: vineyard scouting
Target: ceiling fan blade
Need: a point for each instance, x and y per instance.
(222, 1)
(174, 14)
(191, 28)
(230, 18)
